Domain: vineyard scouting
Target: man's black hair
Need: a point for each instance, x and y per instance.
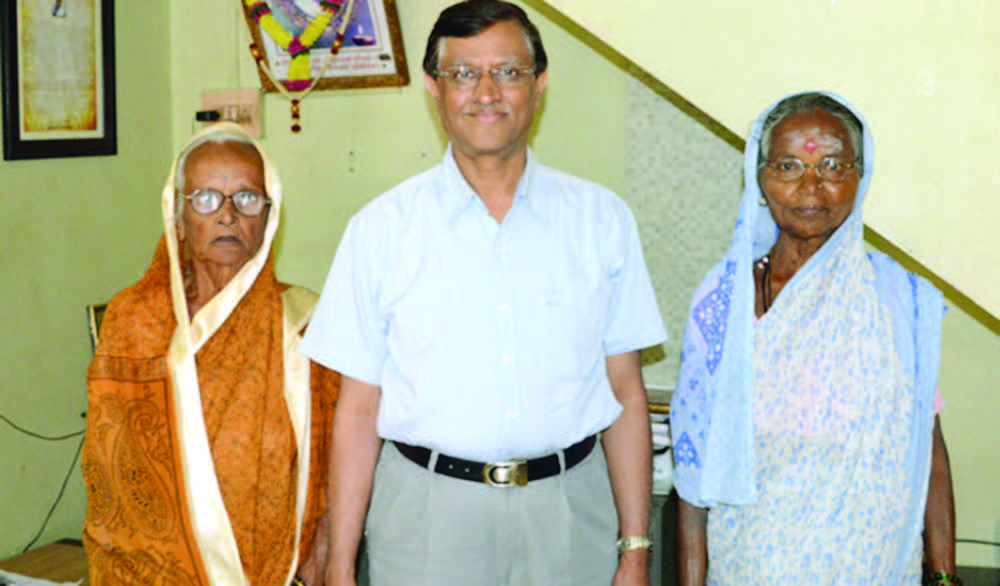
(471, 17)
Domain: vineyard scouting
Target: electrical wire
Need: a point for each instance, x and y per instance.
(40, 436)
(62, 491)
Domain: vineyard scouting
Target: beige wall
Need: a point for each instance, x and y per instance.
(926, 80)
(356, 144)
(970, 381)
(78, 230)
(74, 232)
(924, 74)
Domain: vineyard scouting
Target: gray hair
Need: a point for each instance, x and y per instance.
(807, 103)
(221, 137)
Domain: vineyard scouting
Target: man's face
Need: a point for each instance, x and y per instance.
(487, 118)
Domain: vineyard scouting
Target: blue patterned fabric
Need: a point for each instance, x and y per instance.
(808, 433)
(710, 315)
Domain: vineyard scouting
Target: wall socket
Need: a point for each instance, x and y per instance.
(239, 106)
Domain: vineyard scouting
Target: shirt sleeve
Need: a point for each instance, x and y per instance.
(347, 332)
(634, 320)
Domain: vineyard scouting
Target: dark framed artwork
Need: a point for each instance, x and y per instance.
(58, 78)
(371, 56)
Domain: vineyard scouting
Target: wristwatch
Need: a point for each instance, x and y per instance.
(634, 542)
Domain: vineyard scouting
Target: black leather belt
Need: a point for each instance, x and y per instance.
(500, 474)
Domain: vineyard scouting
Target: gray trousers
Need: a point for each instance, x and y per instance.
(426, 529)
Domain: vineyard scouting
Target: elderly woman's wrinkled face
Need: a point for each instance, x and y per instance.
(224, 238)
(810, 208)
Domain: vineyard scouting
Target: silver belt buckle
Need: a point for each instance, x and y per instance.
(506, 474)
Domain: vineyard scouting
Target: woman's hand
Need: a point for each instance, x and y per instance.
(313, 566)
(692, 544)
(939, 516)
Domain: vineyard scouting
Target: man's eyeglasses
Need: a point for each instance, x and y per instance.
(467, 77)
(833, 169)
(208, 201)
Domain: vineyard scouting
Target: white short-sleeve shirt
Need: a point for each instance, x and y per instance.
(488, 340)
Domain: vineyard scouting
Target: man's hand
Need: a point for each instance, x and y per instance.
(353, 455)
(633, 568)
(628, 445)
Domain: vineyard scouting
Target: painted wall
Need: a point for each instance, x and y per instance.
(970, 381)
(78, 230)
(685, 216)
(924, 74)
(932, 107)
(356, 144)
(75, 231)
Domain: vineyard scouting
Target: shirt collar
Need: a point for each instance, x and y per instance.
(457, 195)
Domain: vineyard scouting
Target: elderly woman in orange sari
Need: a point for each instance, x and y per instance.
(207, 432)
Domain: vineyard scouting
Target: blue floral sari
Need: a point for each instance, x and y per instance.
(808, 433)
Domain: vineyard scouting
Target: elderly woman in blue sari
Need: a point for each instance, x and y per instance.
(807, 445)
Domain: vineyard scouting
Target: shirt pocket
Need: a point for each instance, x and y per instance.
(413, 329)
(572, 324)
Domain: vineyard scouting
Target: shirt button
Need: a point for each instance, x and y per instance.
(508, 359)
(512, 413)
(504, 306)
(498, 250)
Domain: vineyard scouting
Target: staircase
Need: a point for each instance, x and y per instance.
(925, 75)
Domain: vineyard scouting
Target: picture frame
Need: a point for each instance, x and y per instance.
(372, 54)
(95, 319)
(58, 69)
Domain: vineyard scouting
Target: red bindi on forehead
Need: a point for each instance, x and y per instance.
(808, 133)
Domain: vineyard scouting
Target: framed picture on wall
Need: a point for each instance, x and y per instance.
(58, 68)
(371, 54)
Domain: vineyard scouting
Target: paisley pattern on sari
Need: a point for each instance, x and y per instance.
(207, 439)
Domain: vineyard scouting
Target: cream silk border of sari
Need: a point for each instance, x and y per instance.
(210, 522)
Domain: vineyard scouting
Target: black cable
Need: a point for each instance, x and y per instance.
(62, 491)
(39, 436)
(978, 541)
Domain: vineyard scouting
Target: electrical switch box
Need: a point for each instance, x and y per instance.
(240, 106)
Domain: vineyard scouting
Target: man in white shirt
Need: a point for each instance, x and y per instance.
(487, 317)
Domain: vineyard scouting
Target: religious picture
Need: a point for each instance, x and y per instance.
(371, 53)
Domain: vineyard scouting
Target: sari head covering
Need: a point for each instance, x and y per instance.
(846, 358)
(207, 437)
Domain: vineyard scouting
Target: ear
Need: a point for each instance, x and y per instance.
(543, 78)
(432, 87)
(179, 227)
(540, 82)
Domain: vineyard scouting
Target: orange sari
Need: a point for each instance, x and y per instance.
(207, 442)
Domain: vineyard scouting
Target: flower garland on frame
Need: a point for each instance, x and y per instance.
(298, 46)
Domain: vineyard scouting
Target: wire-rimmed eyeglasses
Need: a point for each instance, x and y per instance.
(208, 200)
(833, 169)
(466, 76)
